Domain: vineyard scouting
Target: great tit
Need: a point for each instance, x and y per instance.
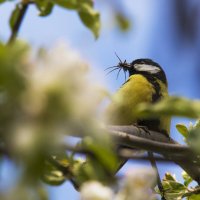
(147, 83)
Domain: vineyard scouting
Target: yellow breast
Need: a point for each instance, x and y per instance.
(136, 90)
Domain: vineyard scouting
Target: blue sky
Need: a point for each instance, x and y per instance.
(153, 35)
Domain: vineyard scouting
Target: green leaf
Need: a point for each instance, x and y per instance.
(14, 16)
(173, 189)
(69, 4)
(182, 129)
(44, 6)
(193, 139)
(90, 17)
(169, 177)
(86, 12)
(171, 106)
(122, 21)
(52, 175)
(2, 1)
(187, 178)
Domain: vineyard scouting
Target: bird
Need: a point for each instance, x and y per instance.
(147, 83)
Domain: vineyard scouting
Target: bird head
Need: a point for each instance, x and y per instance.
(145, 67)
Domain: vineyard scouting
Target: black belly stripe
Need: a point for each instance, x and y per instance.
(157, 95)
(154, 123)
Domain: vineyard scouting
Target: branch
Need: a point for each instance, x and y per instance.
(24, 6)
(125, 153)
(130, 154)
(134, 137)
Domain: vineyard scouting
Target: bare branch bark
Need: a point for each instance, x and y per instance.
(134, 137)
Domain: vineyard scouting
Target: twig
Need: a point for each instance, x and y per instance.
(194, 191)
(153, 164)
(64, 169)
(129, 154)
(16, 27)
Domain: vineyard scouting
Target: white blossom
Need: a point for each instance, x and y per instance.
(95, 191)
(137, 185)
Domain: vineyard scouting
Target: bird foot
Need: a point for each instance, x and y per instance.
(144, 128)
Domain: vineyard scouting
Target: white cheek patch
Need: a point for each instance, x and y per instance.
(147, 68)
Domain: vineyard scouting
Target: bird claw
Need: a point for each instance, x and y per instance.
(144, 128)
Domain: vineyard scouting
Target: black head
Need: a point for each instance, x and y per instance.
(146, 67)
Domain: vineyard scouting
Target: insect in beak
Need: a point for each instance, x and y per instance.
(121, 65)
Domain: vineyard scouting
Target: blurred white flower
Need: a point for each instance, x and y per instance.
(23, 140)
(57, 98)
(59, 69)
(137, 185)
(95, 191)
(60, 90)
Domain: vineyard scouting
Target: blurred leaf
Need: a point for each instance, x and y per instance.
(193, 139)
(187, 178)
(182, 129)
(91, 169)
(44, 6)
(78, 172)
(52, 175)
(55, 177)
(197, 124)
(87, 14)
(103, 151)
(122, 21)
(100, 164)
(194, 197)
(171, 106)
(12, 80)
(57, 169)
(169, 177)
(14, 16)
(90, 17)
(42, 193)
(63, 160)
(69, 4)
(2, 1)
